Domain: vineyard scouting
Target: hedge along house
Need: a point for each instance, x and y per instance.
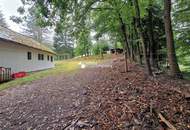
(22, 53)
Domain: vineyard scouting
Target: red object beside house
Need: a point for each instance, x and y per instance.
(19, 75)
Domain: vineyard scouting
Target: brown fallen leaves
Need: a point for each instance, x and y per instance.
(98, 99)
(133, 101)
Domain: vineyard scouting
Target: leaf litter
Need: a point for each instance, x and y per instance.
(98, 98)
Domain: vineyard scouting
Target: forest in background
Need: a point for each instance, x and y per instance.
(154, 33)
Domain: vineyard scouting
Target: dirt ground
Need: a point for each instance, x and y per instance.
(101, 97)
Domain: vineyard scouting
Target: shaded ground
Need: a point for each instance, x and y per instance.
(50, 103)
(99, 97)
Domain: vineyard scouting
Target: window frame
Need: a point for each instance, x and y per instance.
(48, 58)
(29, 55)
(51, 58)
(40, 56)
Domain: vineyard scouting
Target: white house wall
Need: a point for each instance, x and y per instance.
(14, 56)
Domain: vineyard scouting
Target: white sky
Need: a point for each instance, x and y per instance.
(9, 8)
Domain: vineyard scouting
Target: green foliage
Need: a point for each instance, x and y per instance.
(118, 45)
(63, 43)
(80, 50)
(82, 17)
(99, 48)
(83, 43)
(181, 17)
(30, 24)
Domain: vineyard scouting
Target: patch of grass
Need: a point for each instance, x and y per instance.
(60, 67)
(68, 66)
(186, 71)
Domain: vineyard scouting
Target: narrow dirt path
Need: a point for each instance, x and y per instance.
(45, 104)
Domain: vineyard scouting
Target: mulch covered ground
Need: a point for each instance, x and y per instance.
(98, 98)
(132, 101)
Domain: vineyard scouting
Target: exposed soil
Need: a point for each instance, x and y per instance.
(97, 98)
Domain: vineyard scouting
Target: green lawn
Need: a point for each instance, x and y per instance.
(68, 66)
(60, 67)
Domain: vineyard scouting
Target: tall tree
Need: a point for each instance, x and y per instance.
(151, 36)
(83, 43)
(128, 21)
(142, 37)
(30, 26)
(2, 20)
(174, 67)
(33, 30)
(126, 44)
(63, 43)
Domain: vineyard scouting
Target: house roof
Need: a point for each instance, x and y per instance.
(10, 35)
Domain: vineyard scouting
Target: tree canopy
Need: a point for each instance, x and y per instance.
(2, 20)
(140, 25)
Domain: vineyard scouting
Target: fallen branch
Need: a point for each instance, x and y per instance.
(163, 119)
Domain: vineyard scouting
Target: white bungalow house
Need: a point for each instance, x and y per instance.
(22, 53)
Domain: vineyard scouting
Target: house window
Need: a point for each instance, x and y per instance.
(29, 55)
(48, 57)
(40, 57)
(51, 58)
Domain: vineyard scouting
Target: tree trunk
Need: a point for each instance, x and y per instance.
(126, 46)
(142, 37)
(101, 54)
(115, 47)
(132, 45)
(137, 43)
(139, 53)
(153, 46)
(174, 67)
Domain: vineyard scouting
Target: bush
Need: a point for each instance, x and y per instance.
(99, 48)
